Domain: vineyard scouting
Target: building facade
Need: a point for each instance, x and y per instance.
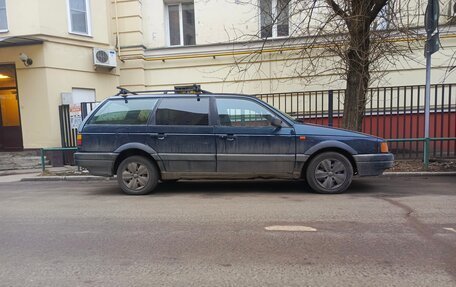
(47, 55)
(46, 50)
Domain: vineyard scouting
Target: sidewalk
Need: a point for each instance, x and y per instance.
(69, 173)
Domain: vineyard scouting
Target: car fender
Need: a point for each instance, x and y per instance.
(144, 148)
(330, 144)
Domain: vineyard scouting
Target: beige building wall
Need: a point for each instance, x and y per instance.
(62, 62)
(225, 30)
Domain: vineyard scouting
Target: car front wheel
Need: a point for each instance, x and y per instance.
(329, 172)
(137, 175)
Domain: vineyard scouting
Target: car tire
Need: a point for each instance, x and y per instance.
(329, 172)
(137, 175)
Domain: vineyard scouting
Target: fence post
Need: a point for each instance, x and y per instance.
(330, 108)
(43, 164)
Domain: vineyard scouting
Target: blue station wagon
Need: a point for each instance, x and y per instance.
(188, 133)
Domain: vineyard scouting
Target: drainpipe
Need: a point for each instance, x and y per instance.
(117, 32)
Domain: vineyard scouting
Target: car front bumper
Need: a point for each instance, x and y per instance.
(373, 164)
(96, 163)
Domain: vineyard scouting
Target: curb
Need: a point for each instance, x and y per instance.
(68, 178)
(420, 173)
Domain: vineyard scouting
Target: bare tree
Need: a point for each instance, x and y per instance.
(356, 40)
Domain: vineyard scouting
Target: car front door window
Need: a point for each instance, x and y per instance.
(243, 113)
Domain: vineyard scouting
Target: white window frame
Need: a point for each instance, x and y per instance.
(383, 23)
(88, 16)
(181, 25)
(274, 16)
(6, 15)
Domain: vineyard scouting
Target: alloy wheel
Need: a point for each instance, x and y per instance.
(330, 173)
(135, 176)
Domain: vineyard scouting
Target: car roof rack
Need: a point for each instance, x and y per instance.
(190, 89)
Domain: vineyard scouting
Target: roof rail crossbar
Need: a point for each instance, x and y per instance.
(191, 89)
(194, 89)
(124, 92)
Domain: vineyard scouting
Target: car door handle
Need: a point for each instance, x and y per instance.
(159, 136)
(228, 137)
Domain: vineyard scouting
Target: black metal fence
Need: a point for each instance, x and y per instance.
(393, 113)
(67, 131)
(87, 107)
(70, 118)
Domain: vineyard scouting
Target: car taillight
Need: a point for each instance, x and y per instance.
(384, 147)
(79, 139)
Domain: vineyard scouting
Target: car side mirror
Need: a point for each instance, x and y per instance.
(276, 122)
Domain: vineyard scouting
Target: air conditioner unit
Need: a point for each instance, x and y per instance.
(104, 58)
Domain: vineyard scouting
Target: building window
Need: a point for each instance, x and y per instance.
(451, 12)
(3, 21)
(181, 24)
(274, 17)
(79, 16)
(382, 22)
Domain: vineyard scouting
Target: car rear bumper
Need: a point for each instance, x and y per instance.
(373, 164)
(96, 163)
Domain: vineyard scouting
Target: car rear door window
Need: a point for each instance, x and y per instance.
(183, 111)
(243, 113)
(120, 112)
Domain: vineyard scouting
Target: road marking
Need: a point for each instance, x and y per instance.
(450, 229)
(290, 228)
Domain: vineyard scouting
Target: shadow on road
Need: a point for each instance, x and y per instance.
(374, 186)
(214, 188)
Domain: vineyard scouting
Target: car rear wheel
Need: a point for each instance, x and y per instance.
(137, 175)
(329, 172)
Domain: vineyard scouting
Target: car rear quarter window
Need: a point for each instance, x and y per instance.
(183, 111)
(121, 112)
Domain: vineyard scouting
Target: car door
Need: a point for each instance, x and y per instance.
(248, 144)
(182, 135)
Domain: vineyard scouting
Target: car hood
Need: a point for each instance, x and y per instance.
(310, 129)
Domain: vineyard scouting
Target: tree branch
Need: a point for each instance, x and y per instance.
(378, 5)
(337, 9)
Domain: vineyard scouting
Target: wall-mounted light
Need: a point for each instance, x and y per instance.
(25, 59)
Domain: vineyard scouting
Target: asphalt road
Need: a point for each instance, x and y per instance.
(387, 231)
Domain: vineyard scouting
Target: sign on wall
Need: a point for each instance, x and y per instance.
(74, 100)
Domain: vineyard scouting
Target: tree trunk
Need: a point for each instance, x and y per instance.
(357, 79)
